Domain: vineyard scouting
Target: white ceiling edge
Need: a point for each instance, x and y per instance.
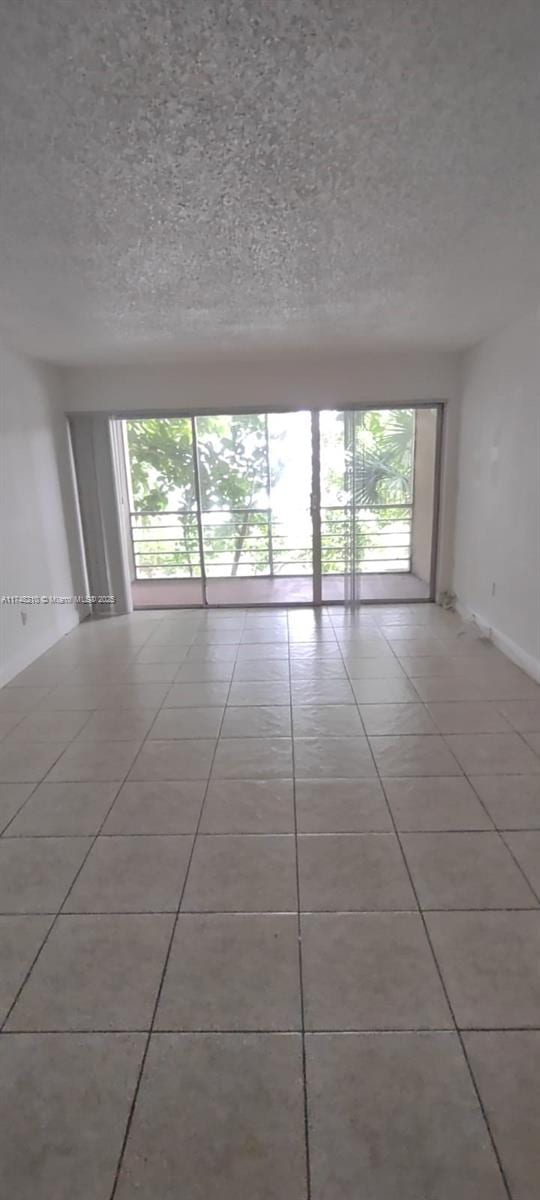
(314, 378)
(148, 351)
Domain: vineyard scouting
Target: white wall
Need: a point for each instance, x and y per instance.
(272, 379)
(269, 379)
(497, 544)
(37, 512)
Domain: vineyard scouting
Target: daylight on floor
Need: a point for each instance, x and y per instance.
(270, 600)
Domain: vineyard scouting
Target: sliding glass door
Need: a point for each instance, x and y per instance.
(164, 513)
(220, 509)
(255, 482)
(378, 503)
(283, 508)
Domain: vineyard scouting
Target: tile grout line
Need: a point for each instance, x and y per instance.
(299, 939)
(46, 777)
(158, 711)
(70, 743)
(284, 1032)
(323, 833)
(21, 806)
(195, 838)
(518, 864)
(261, 912)
(150, 1030)
(445, 991)
(56, 915)
(52, 687)
(59, 913)
(278, 738)
(21, 717)
(500, 834)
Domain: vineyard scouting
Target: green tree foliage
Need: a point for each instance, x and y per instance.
(161, 462)
(382, 453)
(162, 480)
(380, 469)
(234, 476)
(367, 471)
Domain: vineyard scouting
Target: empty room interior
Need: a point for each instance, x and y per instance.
(270, 600)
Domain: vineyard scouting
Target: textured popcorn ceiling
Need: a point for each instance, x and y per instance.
(179, 172)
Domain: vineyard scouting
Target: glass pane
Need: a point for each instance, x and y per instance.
(377, 503)
(255, 477)
(233, 472)
(163, 512)
(383, 460)
(290, 504)
(336, 508)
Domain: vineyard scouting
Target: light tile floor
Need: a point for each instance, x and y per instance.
(270, 911)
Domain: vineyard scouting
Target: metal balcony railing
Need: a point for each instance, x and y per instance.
(254, 542)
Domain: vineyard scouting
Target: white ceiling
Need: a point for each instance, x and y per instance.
(183, 172)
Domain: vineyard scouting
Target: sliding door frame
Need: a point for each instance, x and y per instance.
(315, 509)
(315, 499)
(198, 498)
(437, 500)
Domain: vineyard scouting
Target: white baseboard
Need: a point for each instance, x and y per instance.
(519, 656)
(37, 647)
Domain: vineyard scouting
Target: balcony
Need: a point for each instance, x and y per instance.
(290, 507)
(251, 556)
